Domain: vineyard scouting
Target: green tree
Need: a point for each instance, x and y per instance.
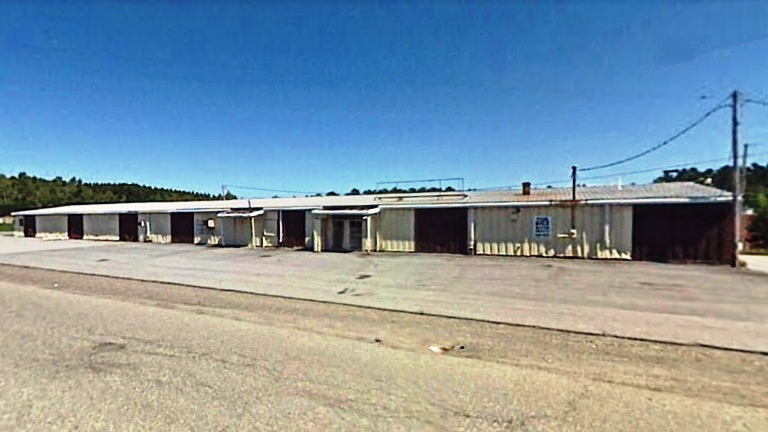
(22, 192)
(758, 229)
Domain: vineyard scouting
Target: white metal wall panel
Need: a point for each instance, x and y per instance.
(327, 228)
(394, 230)
(507, 231)
(369, 227)
(270, 228)
(101, 227)
(309, 227)
(52, 227)
(317, 234)
(237, 231)
(258, 228)
(621, 232)
(203, 234)
(159, 226)
(18, 230)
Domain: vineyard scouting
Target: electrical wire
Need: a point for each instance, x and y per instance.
(664, 143)
(270, 190)
(645, 171)
(625, 173)
(756, 102)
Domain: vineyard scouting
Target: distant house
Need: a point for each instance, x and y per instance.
(667, 222)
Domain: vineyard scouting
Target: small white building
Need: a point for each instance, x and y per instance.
(660, 222)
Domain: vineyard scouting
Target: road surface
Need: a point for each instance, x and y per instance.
(688, 304)
(95, 353)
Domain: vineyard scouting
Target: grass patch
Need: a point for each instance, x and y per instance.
(755, 252)
(6, 227)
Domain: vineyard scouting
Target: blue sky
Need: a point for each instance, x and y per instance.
(318, 96)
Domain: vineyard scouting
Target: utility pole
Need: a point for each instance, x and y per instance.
(736, 177)
(573, 198)
(744, 169)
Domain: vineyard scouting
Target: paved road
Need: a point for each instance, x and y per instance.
(756, 262)
(689, 304)
(93, 353)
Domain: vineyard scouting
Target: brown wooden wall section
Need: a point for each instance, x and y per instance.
(129, 227)
(441, 230)
(182, 228)
(294, 228)
(75, 229)
(30, 226)
(683, 233)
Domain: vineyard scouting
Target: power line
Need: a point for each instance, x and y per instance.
(626, 173)
(225, 187)
(663, 143)
(755, 101)
(645, 171)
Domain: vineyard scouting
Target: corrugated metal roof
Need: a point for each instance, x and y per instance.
(657, 192)
(614, 192)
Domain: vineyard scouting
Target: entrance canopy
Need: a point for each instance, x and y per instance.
(347, 212)
(241, 214)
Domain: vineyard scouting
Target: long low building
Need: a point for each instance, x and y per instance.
(666, 222)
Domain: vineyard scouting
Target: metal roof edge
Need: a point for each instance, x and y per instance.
(688, 200)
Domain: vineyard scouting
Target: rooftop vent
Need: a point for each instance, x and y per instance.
(526, 188)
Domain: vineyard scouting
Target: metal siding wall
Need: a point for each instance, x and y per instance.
(498, 233)
(227, 231)
(204, 235)
(243, 231)
(52, 227)
(327, 229)
(159, 227)
(309, 226)
(270, 228)
(18, 230)
(394, 230)
(621, 232)
(258, 223)
(101, 227)
(237, 231)
(373, 221)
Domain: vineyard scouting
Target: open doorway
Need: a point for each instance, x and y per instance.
(182, 228)
(294, 231)
(129, 227)
(75, 229)
(29, 224)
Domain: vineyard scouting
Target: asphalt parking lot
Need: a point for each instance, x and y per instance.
(694, 304)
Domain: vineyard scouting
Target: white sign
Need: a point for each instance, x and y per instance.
(542, 226)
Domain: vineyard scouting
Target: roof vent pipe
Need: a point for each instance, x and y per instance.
(526, 188)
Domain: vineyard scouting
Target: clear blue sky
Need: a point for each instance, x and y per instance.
(322, 96)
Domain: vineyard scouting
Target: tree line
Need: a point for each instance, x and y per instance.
(393, 190)
(23, 192)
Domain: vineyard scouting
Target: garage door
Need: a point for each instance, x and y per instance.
(129, 227)
(75, 226)
(683, 233)
(30, 226)
(294, 231)
(441, 230)
(182, 228)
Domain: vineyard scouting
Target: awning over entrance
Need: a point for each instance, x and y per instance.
(241, 214)
(347, 212)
